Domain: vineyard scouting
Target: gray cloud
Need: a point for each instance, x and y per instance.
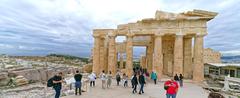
(39, 27)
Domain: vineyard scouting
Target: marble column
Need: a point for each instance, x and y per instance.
(129, 53)
(198, 66)
(121, 60)
(150, 56)
(96, 54)
(178, 55)
(187, 63)
(143, 62)
(111, 54)
(106, 55)
(101, 59)
(158, 56)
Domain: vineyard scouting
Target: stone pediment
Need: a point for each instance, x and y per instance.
(189, 15)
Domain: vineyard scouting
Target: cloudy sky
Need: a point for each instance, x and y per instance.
(40, 27)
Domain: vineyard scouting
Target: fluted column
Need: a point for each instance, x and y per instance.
(157, 55)
(178, 55)
(111, 54)
(129, 53)
(198, 67)
(121, 60)
(187, 63)
(143, 62)
(96, 54)
(150, 56)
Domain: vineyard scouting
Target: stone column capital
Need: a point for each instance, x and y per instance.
(158, 35)
(180, 34)
(200, 34)
(111, 36)
(96, 36)
(129, 35)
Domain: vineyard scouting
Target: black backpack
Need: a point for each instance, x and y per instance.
(50, 82)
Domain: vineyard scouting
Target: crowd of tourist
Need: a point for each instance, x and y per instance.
(139, 78)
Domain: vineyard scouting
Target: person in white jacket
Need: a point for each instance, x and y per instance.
(103, 77)
(92, 77)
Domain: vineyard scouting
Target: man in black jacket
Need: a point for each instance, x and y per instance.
(135, 83)
(57, 84)
(78, 79)
(141, 82)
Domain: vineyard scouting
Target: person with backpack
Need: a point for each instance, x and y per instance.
(154, 77)
(141, 80)
(118, 78)
(78, 84)
(57, 84)
(135, 83)
(171, 88)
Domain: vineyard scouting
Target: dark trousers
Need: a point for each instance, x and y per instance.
(78, 86)
(125, 83)
(92, 83)
(132, 84)
(155, 81)
(58, 91)
(80, 91)
(118, 83)
(134, 88)
(141, 88)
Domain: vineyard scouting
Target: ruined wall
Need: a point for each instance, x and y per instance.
(168, 48)
(211, 56)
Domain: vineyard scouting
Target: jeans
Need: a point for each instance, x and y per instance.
(134, 88)
(141, 88)
(171, 95)
(58, 91)
(78, 86)
(118, 83)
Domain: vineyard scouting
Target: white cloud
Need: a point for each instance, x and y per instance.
(66, 25)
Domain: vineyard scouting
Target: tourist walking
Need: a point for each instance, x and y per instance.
(103, 78)
(78, 83)
(141, 82)
(57, 84)
(171, 88)
(154, 77)
(118, 78)
(109, 79)
(125, 80)
(135, 83)
(92, 78)
(181, 80)
(176, 78)
(132, 81)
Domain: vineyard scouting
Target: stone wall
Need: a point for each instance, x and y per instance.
(211, 56)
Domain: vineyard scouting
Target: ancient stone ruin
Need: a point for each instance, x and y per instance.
(168, 40)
